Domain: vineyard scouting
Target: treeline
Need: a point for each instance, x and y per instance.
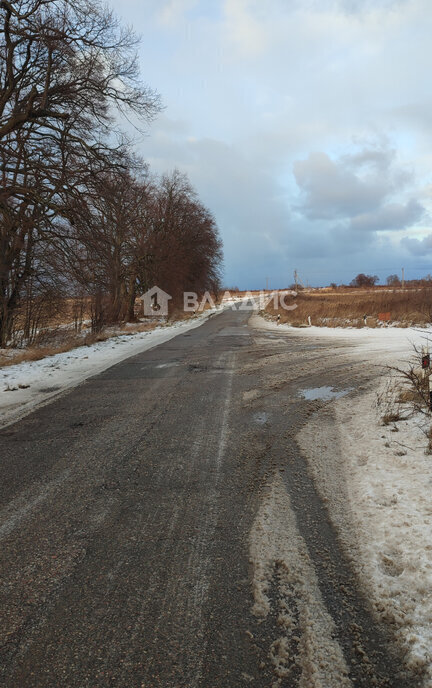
(368, 281)
(80, 215)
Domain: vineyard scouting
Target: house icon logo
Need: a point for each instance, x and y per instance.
(155, 302)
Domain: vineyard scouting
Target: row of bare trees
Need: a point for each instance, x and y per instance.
(79, 214)
(133, 233)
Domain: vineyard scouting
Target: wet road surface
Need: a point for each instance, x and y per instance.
(126, 512)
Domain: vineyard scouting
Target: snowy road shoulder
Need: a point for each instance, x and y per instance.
(377, 482)
(29, 384)
(383, 345)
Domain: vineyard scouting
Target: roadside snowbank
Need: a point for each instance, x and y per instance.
(31, 383)
(389, 488)
(377, 481)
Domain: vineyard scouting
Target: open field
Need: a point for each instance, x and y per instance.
(347, 307)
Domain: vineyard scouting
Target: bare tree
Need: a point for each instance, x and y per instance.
(185, 242)
(64, 57)
(105, 248)
(362, 280)
(131, 233)
(66, 66)
(393, 281)
(78, 213)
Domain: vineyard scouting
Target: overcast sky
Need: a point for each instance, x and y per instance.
(304, 125)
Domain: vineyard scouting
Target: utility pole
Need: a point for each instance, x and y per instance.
(403, 278)
(297, 280)
(267, 281)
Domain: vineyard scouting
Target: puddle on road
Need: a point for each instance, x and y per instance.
(323, 393)
(261, 418)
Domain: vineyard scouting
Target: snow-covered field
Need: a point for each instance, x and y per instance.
(29, 384)
(378, 483)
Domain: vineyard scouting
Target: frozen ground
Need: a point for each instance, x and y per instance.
(377, 481)
(29, 384)
(384, 344)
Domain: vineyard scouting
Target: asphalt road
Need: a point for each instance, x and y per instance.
(126, 507)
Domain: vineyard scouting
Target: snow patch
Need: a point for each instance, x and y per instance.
(380, 345)
(278, 554)
(378, 485)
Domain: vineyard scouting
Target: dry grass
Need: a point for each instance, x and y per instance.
(409, 395)
(60, 335)
(10, 357)
(406, 395)
(347, 308)
(36, 353)
(177, 314)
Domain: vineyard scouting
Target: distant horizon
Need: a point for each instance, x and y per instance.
(309, 284)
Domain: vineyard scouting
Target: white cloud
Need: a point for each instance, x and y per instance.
(244, 27)
(172, 11)
(332, 89)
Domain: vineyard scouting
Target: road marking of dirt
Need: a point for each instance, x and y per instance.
(304, 642)
(225, 416)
